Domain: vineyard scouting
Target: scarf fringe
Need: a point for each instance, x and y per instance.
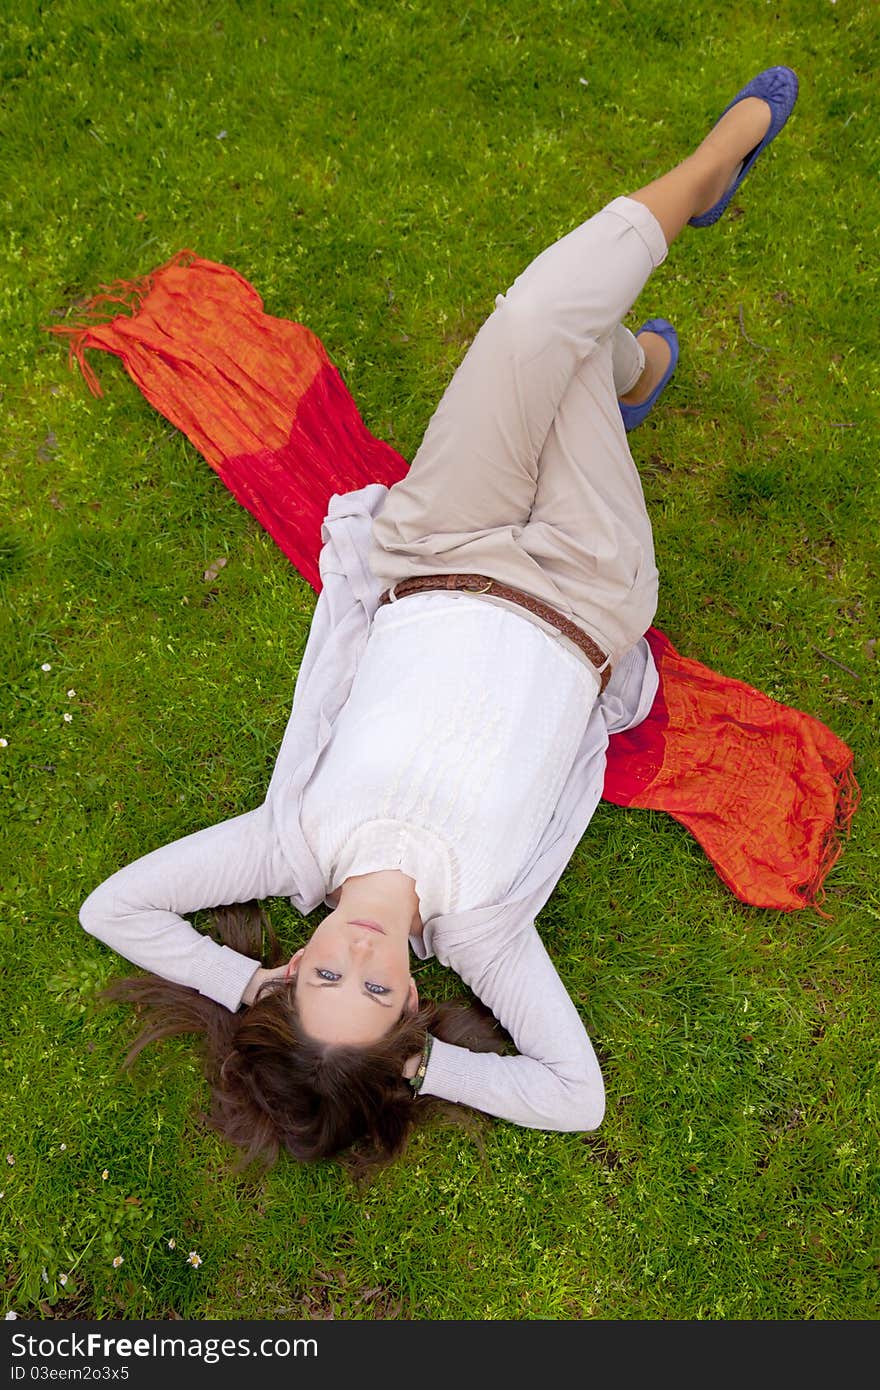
(849, 795)
(130, 294)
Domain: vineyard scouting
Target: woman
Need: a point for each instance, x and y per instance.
(478, 637)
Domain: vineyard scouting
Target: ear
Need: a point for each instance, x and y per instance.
(412, 998)
(293, 967)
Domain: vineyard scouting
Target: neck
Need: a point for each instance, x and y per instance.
(387, 896)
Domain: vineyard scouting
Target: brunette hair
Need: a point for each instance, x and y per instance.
(274, 1088)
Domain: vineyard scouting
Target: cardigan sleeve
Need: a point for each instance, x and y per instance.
(555, 1081)
(138, 910)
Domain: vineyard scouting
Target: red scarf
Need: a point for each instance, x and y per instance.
(766, 790)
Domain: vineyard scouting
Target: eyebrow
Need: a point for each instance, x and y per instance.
(334, 984)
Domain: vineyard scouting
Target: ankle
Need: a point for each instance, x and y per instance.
(657, 357)
(722, 151)
(708, 167)
(639, 388)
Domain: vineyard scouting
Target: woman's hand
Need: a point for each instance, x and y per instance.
(260, 977)
(411, 1065)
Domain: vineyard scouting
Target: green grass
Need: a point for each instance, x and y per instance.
(380, 172)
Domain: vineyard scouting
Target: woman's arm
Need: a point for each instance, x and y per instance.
(555, 1082)
(138, 910)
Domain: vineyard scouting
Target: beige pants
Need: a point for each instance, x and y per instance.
(524, 473)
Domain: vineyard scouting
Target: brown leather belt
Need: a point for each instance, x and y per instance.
(478, 583)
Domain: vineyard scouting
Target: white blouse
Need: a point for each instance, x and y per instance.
(449, 756)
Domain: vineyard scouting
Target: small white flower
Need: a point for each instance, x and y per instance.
(193, 1259)
(44, 1275)
(10, 1315)
(62, 1279)
(2, 1195)
(10, 1159)
(61, 1148)
(68, 718)
(106, 1173)
(117, 1261)
(171, 1244)
(46, 666)
(4, 743)
(71, 694)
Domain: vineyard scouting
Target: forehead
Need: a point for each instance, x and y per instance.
(342, 1014)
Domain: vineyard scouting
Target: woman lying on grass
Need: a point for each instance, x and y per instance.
(445, 754)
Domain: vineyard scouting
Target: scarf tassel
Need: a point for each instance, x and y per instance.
(848, 797)
(130, 294)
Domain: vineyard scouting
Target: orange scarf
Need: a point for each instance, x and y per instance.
(766, 790)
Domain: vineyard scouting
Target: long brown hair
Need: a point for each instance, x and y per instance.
(276, 1089)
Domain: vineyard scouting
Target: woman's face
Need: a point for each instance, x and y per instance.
(352, 981)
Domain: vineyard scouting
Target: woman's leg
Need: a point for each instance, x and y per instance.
(687, 190)
(476, 469)
(472, 485)
(589, 532)
(699, 181)
(628, 359)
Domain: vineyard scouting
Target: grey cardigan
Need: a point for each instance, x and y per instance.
(554, 1081)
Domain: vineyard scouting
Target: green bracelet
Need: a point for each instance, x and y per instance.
(416, 1080)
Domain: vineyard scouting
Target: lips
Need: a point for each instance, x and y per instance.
(371, 926)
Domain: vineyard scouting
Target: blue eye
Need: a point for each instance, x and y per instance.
(376, 989)
(326, 974)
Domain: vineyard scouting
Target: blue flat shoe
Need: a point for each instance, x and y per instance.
(779, 88)
(633, 415)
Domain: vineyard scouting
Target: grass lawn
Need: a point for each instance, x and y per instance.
(379, 172)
